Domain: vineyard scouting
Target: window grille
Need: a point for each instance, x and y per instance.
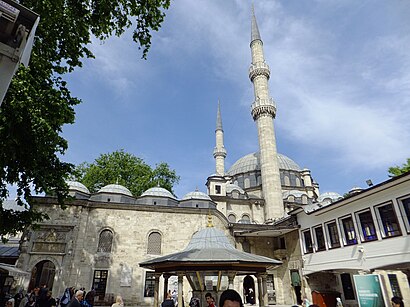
(154, 243)
(394, 284)
(387, 217)
(105, 241)
(149, 284)
(333, 235)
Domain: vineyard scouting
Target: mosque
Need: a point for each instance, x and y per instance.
(242, 234)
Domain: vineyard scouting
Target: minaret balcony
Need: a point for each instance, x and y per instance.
(263, 107)
(259, 69)
(219, 152)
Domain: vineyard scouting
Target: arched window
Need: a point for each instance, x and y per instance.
(304, 199)
(105, 241)
(297, 182)
(287, 180)
(232, 218)
(247, 183)
(154, 243)
(246, 219)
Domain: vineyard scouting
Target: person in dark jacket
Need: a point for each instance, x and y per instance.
(76, 301)
(168, 302)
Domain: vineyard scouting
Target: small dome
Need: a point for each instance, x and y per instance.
(196, 195)
(231, 187)
(77, 186)
(115, 189)
(209, 237)
(251, 163)
(295, 193)
(332, 195)
(158, 192)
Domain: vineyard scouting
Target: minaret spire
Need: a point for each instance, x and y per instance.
(219, 150)
(255, 30)
(263, 113)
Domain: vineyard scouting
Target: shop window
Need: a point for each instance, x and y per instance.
(154, 243)
(333, 235)
(394, 284)
(388, 220)
(100, 283)
(347, 285)
(368, 231)
(348, 230)
(105, 241)
(320, 239)
(307, 238)
(405, 208)
(149, 284)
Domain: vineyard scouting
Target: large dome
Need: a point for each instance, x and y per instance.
(116, 189)
(251, 163)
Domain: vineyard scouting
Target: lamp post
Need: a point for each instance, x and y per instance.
(17, 29)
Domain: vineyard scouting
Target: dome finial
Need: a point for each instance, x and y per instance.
(210, 224)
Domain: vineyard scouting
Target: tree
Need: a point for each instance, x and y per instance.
(398, 170)
(127, 170)
(39, 102)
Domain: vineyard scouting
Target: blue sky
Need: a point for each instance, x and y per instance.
(340, 76)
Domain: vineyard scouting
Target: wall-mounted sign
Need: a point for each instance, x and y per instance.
(369, 290)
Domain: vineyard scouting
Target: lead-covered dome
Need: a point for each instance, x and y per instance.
(77, 186)
(115, 189)
(158, 192)
(196, 195)
(333, 196)
(251, 162)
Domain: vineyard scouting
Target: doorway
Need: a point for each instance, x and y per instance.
(42, 274)
(249, 290)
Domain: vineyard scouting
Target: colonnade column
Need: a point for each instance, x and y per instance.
(265, 290)
(231, 277)
(156, 289)
(180, 288)
(260, 290)
(166, 277)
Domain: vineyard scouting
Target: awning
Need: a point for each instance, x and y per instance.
(12, 270)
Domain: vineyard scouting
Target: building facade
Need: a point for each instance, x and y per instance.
(366, 233)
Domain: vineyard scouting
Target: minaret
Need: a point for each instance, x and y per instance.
(219, 150)
(263, 113)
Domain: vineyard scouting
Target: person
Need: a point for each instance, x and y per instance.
(76, 301)
(89, 299)
(306, 302)
(194, 302)
(118, 302)
(50, 301)
(65, 298)
(168, 302)
(10, 303)
(397, 301)
(230, 298)
(209, 300)
(339, 302)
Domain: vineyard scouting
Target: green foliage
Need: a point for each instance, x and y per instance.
(127, 170)
(39, 102)
(399, 170)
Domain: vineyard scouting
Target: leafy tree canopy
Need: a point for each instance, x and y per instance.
(39, 102)
(127, 170)
(398, 170)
